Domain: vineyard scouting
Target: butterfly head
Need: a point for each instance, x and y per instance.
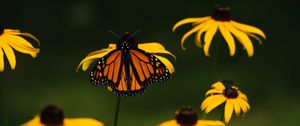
(127, 41)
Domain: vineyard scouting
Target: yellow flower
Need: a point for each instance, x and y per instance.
(221, 20)
(11, 39)
(235, 100)
(152, 47)
(188, 117)
(53, 116)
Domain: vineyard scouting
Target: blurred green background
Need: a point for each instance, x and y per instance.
(69, 30)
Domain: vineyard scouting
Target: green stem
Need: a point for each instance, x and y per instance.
(215, 59)
(214, 64)
(204, 116)
(3, 110)
(117, 111)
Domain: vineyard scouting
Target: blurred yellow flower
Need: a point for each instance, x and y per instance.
(153, 48)
(11, 39)
(188, 117)
(221, 19)
(235, 100)
(53, 116)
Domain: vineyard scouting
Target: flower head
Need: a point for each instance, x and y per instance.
(233, 98)
(188, 117)
(221, 19)
(53, 116)
(11, 39)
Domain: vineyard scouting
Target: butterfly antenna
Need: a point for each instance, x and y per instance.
(135, 33)
(110, 31)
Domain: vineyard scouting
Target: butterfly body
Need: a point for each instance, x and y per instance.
(128, 70)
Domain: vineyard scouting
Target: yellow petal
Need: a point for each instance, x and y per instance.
(228, 37)
(207, 101)
(154, 47)
(189, 33)
(228, 110)
(168, 64)
(30, 36)
(209, 123)
(243, 96)
(218, 85)
(67, 122)
(243, 105)
(86, 62)
(17, 32)
(212, 92)
(247, 104)
(255, 37)
(18, 39)
(237, 107)
(109, 88)
(34, 122)
(1, 60)
(248, 28)
(203, 28)
(12, 31)
(190, 20)
(215, 103)
(200, 28)
(209, 36)
(9, 54)
(82, 122)
(21, 45)
(169, 123)
(242, 37)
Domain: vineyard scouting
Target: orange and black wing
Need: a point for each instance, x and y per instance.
(108, 69)
(130, 87)
(147, 68)
(144, 69)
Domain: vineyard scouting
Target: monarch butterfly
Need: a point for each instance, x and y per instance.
(128, 70)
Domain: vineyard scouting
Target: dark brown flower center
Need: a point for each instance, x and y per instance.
(230, 92)
(186, 117)
(51, 115)
(1, 29)
(221, 13)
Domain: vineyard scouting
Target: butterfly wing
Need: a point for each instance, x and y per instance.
(130, 87)
(147, 68)
(108, 69)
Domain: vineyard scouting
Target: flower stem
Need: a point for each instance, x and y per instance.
(214, 64)
(215, 58)
(117, 111)
(3, 110)
(204, 116)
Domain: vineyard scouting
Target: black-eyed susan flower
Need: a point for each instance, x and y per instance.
(221, 19)
(233, 98)
(128, 67)
(188, 117)
(11, 39)
(53, 116)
